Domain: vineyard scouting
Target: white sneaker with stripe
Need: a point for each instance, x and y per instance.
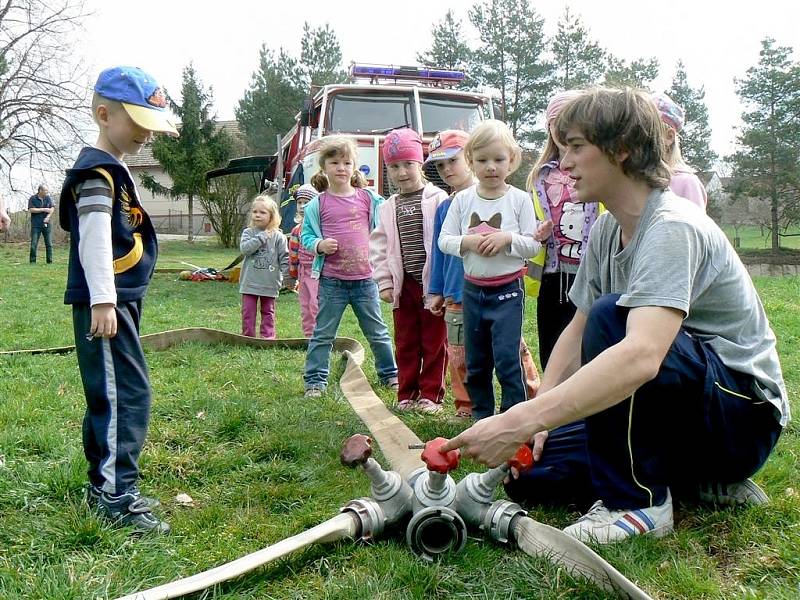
(603, 526)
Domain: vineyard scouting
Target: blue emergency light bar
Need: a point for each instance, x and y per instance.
(392, 72)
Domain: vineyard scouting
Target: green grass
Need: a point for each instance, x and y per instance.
(752, 237)
(230, 428)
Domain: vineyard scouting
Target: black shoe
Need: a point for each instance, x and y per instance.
(131, 509)
(93, 494)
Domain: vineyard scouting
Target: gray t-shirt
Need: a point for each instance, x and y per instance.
(679, 258)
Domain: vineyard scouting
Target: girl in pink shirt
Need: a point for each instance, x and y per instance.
(336, 228)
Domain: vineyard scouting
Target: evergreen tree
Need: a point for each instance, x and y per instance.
(201, 146)
(767, 162)
(270, 104)
(320, 57)
(448, 49)
(696, 134)
(511, 59)
(637, 73)
(579, 61)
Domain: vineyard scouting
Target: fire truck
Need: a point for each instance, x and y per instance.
(377, 99)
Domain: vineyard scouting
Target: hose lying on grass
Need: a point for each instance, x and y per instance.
(394, 438)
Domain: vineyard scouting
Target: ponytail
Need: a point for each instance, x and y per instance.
(358, 180)
(320, 181)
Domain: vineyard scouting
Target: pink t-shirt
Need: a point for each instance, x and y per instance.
(346, 219)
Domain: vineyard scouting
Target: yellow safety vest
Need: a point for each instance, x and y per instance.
(533, 278)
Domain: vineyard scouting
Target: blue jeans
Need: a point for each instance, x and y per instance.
(43, 231)
(334, 297)
(492, 334)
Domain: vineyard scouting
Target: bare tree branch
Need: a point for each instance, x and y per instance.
(43, 92)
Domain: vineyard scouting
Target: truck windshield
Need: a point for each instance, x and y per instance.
(439, 113)
(373, 113)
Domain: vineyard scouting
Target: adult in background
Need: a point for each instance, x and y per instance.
(5, 220)
(40, 205)
(667, 378)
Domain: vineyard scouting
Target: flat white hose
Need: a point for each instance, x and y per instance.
(538, 539)
(341, 527)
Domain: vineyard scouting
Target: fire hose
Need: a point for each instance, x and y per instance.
(441, 511)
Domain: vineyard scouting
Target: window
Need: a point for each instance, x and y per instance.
(371, 113)
(440, 112)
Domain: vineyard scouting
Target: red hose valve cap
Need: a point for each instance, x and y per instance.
(441, 462)
(522, 459)
(356, 450)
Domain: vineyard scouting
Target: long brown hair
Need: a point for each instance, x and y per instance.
(337, 146)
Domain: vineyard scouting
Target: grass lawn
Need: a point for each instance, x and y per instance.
(231, 428)
(751, 237)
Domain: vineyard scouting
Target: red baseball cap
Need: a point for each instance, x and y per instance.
(447, 144)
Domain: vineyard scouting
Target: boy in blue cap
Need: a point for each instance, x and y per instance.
(112, 256)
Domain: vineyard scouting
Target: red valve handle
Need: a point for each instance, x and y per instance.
(356, 450)
(522, 459)
(438, 461)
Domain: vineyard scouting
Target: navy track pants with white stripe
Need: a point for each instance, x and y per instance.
(117, 389)
(695, 422)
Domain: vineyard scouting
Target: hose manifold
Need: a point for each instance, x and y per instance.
(498, 520)
(369, 515)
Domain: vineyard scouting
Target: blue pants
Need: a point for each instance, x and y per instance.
(697, 421)
(492, 334)
(334, 297)
(43, 231)
(117, 389)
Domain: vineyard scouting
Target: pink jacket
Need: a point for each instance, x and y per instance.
(685, 183)
(384, 243)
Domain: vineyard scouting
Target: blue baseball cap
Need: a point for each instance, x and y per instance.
(140, 95)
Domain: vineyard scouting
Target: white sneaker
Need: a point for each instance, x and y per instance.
(604, 526)
(742, 493)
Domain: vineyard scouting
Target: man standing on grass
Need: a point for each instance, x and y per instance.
(667, 379)
(40, 205)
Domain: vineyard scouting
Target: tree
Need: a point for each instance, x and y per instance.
(269, 106)
(43, 91)
(320, 58)
(637, 73)
(696, 133)
(766, 164)
(579, 61)
(226, 205)
(448, 50)
(201, 146)
(511, 60)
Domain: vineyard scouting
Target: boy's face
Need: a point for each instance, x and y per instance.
(596, 176)
(119, 135)
(455, 172)
(491, 165)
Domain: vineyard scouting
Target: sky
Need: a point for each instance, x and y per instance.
(716, 41)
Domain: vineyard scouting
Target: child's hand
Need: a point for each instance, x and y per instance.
(436, 304)
(493, 243)
(470, 242)
(544, 231)
(328, 246)
(104, 321)
(387, 295)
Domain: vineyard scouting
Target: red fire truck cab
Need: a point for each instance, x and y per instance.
(381, 98)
